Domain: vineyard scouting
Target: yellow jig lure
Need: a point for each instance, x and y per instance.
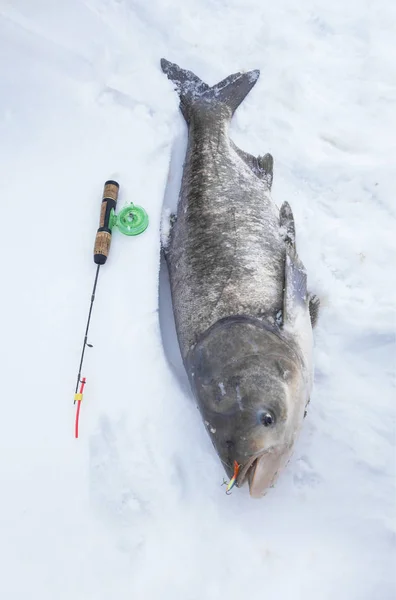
(233, 479)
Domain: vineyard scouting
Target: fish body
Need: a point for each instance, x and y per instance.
(240, 302)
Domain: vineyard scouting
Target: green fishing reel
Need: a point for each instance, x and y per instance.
(131, 220)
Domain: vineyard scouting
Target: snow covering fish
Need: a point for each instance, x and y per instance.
(242, 311)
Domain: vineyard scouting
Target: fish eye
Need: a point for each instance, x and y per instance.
(267, 418)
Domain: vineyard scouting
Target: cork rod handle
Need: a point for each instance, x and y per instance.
(103, 236)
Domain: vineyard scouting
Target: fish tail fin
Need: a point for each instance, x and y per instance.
(197, 96)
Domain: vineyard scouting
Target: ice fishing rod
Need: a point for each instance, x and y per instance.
(132, 220)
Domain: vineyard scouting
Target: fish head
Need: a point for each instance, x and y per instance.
(252, 390)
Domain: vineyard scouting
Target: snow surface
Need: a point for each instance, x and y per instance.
(134, 508)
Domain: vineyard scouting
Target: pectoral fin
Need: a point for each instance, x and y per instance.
(295, 292)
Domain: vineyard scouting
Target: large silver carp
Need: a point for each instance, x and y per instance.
(239, 290)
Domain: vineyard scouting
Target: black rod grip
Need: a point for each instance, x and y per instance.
(103, 236)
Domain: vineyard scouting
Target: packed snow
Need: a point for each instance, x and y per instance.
(135, 508)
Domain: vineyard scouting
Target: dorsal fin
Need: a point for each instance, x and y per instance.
(262, 166)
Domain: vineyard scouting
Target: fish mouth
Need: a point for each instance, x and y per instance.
(262, 470)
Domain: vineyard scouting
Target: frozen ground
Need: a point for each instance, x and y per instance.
(134, 508)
